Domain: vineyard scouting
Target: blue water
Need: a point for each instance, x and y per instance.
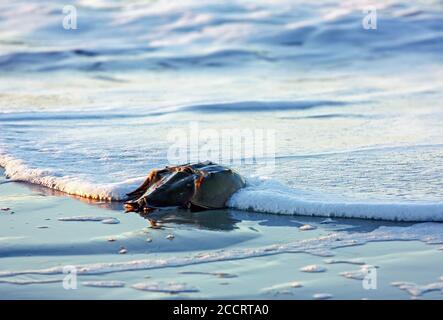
(356, 113)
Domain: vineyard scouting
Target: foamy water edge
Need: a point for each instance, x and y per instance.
(260, 195)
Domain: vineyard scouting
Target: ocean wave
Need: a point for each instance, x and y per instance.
(260, 195)
(229, 65)
(264, 106)
(198, 35)
(57, 116)
(235, 106)
(84, 60)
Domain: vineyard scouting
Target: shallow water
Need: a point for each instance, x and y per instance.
(356, 113)
(351, 121)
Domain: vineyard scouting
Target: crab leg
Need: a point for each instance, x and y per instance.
(153, 177)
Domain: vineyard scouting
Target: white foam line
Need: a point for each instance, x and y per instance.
(28, 282)
(83, 218)
(171, 287)
(273, 197)
(261, 195)
(17, 170)
(359, 274)
(416, 290)
(104, 284)
(425, 232)
(105, 220)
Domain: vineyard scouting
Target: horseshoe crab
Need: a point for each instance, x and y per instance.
(203, 185)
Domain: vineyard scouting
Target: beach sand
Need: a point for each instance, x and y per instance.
(216, 254)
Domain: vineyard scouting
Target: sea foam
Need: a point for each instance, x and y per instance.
(17, 170)
(270, 196)
(260, 195)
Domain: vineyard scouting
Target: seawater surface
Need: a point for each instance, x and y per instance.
(357, 113)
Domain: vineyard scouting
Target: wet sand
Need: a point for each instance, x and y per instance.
(215, 254)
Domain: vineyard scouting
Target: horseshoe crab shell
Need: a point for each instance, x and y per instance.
(204, 185)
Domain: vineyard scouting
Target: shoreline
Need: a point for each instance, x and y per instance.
(278, 199)
(35, 238)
